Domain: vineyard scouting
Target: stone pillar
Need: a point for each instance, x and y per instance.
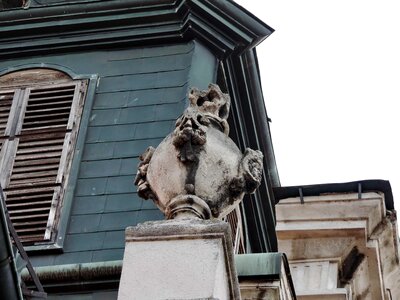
(179, 259)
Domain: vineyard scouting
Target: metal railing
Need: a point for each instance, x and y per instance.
(28, 293)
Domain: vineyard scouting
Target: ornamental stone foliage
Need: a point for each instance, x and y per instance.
(197, 171)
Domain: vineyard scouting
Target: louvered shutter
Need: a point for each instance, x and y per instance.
(8, 117)
(234, 219)
(6, 99)
(42, 146)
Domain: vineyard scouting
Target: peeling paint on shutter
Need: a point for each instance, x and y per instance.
(6, 99)
(8, 103)
(42, 138)
(48, 108)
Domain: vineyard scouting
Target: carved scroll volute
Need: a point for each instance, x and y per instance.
(197, 171)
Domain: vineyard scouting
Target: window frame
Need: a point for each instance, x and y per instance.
(63, 210)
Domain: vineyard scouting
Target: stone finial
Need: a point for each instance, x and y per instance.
(197, 171)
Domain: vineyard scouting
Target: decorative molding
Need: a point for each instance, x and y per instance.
(244, 88)
(222, 25)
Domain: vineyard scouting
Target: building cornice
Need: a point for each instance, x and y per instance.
(222, 25)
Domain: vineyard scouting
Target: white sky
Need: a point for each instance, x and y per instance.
(331, 80)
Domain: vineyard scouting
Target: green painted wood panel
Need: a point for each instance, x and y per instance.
(100, 295)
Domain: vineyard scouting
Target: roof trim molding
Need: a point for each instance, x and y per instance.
(223, 26)
(244, 87)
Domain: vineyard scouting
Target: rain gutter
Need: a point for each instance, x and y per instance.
(76, 273)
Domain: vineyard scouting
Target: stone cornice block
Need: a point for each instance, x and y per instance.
(330, 215)
(179, 229)
(350, 236)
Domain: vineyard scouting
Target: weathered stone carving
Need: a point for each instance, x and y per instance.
(144, 189)
(197, 170)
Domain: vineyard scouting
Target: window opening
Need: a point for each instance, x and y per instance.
(39, 120)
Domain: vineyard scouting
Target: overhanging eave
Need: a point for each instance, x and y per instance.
(223, 25)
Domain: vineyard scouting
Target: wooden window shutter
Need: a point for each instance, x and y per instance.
(234, 219)
(38, 156)
(8, 107)
(6, 99)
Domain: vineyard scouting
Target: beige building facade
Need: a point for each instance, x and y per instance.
(341, 245)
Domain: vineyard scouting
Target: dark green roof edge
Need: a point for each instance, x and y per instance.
(259, 264)
(222, 25)
(253, 131)
(73, 277)
(267, 266)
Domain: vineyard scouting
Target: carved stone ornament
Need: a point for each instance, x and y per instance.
(197, 171)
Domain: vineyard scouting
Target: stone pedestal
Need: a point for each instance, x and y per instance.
(179, 259)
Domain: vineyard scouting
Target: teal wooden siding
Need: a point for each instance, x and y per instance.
(101, 295)
(140, 93)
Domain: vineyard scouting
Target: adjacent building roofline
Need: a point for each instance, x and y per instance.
(347, 187)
